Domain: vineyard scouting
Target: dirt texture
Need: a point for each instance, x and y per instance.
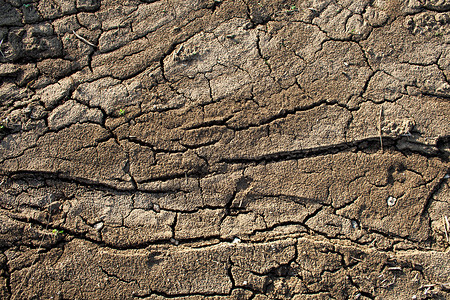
(224, 149)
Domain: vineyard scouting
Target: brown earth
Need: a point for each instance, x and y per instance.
(201, 149)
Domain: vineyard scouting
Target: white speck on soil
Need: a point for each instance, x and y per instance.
(98, 226)
(236, 240)
(391, 201)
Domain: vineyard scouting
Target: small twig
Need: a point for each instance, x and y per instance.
(388, 284)
(83, 39)
(1, 43)
(179, 50)
(394, 269)
(446, 227)
(426, 286)
(380, 133)
(357, 259)
(427, 289)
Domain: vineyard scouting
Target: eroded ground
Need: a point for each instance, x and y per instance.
(224, 149)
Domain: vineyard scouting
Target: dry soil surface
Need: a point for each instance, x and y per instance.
(234, 149)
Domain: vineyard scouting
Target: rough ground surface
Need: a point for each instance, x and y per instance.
(201, 149)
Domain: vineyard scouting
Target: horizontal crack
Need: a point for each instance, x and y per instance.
(360, 145)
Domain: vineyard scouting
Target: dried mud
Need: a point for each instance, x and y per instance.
(227, 149)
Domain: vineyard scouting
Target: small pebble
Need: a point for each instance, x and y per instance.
(236, 240)
(391, 201)
(156, 208)
(174, 241)
(98, 226)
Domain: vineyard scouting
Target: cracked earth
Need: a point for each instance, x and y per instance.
(233, 149)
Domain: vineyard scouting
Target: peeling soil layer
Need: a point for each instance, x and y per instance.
(224, 149)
